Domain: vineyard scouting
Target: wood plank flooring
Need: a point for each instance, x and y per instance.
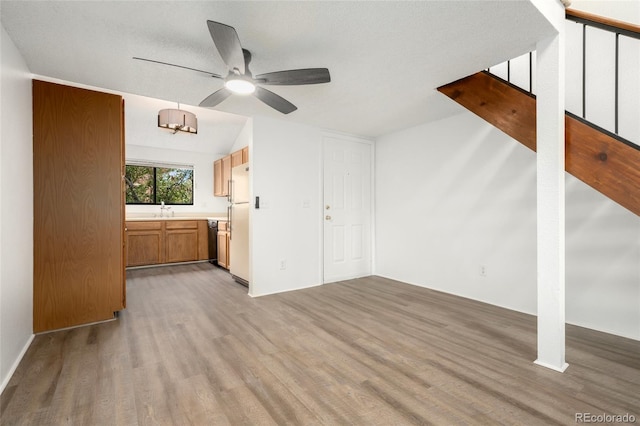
(193, 349)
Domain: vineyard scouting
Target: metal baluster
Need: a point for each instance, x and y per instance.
(531, 72)
(584, 70)
(616, 88)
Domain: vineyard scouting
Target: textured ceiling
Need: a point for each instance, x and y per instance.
(386, 57)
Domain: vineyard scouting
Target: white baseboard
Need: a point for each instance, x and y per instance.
(551, 366)
(5, 381)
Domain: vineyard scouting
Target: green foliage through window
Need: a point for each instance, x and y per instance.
(154, 184)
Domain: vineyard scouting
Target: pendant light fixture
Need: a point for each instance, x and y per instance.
(178, 120)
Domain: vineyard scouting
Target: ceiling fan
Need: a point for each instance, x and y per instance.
(239, 79)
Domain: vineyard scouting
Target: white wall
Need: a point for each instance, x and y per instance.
(245, 138)
(622, 10)
(215, 138)
(457, 194)
(16, 209)
(286, 169)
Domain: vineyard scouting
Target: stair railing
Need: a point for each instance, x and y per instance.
(619, 28)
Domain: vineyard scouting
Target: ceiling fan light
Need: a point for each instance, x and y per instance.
(240, 86)
(178, 120)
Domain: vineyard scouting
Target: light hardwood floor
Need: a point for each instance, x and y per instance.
(193, 348)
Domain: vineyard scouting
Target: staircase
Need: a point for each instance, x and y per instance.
(598, 157)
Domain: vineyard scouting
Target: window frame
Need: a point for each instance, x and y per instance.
(155, 166)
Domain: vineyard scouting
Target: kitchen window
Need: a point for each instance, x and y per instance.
(151, 183)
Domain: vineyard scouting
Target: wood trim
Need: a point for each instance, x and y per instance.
(498, 103)
(123, 214)
(604, 163)
(621, 25)
(181, 224)
(595, 157)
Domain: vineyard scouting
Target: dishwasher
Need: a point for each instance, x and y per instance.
(213, 241)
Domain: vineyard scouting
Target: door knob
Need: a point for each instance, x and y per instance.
(327, 217)
(327, 207)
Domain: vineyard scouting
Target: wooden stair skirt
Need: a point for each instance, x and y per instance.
(596, 157)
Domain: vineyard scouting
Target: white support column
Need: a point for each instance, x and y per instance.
(550, 204)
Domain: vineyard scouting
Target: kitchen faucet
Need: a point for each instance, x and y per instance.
(164, 208)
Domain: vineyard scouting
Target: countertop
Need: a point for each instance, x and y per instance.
(181, 216)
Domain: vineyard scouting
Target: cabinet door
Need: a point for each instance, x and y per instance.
(181, 245)
(203, 240)
(144, 247)
(145, 243)
(226, 175)
(217, 179)
(245, 155)
(223, 249)
(236, 158)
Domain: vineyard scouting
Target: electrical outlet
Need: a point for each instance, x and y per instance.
(482, 270)
(283, 264)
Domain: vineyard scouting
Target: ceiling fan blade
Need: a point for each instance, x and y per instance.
(215, 98)
(295, 77)
(274, 101)
(179, 66)
(228, 44)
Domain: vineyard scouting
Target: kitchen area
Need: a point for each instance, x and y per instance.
(222, 238)
(116, 188)
(212, 201)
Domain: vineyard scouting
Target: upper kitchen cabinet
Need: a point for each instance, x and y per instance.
(236, 158)
(222, 170)
(217, 178)
(245, 155)
(78, 223)
(221, 176)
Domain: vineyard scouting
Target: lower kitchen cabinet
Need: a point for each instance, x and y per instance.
(145, 243)
(166, 241)
(181, 241)
(223, 245)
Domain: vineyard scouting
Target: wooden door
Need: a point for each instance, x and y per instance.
(223, 249)
(236, 159)
(78, 216)
(347, 209)
(144, 248)
(226, 174)
(217, 178)
(145, 243)
(181, 245)
(203, 240)
(181, 241)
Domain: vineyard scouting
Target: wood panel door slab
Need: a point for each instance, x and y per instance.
(78, 216)
(347, 209)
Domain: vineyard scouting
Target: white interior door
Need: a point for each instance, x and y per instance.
(347, 209)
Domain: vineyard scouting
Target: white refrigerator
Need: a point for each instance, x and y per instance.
(239, 224)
